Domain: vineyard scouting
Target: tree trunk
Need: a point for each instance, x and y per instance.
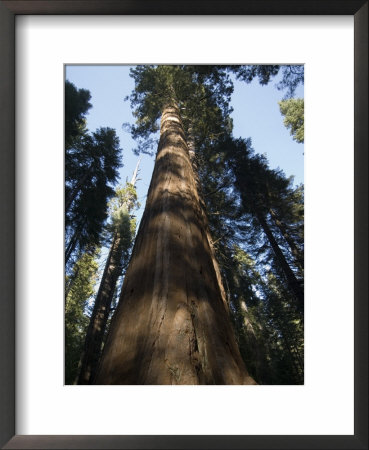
(296, 252)
(71, 245)
(171, 325)
(100, 315)
(102, 306)
(293, 283)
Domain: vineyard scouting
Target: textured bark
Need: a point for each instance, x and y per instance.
(293, 283)
(171, 325)
(100, 315)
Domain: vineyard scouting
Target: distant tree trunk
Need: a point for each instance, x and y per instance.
(296, 252)
(74, 240)
(100, 315)
(293, 283)
(73, 192)
(171, 325)
(71, 245)
(102, 307)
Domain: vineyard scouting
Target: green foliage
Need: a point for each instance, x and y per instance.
(291, 75)
(293, 112)
(122, 222)
(76, 107)
(238, 184)
(264, 73)
(243, 283)
(92, 161)
(79, 288)
(126, 198)
(269, 330)
(119, 234)
(202, 94)
(283, 334)
(91, 169)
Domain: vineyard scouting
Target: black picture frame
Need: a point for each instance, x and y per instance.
(8, 11)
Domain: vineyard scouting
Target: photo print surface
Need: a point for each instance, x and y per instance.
(184, 224)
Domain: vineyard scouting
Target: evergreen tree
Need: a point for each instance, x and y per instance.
(91, 168)
(248, 276)
(122, 231)
(258, 186)
(184, 333)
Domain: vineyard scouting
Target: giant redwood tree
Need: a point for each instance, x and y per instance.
(172, 324)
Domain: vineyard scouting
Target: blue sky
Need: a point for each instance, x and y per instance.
(256, 115)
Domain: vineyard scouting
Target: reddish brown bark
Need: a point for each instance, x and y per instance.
(171, 325)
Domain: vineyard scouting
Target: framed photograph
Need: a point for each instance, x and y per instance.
(300, 396)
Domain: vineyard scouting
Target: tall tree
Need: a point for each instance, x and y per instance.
(256, 183)
(286, 212)
(269, 329)
(172, 324)
(91, 169)
(232, 226)
(122, 230)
